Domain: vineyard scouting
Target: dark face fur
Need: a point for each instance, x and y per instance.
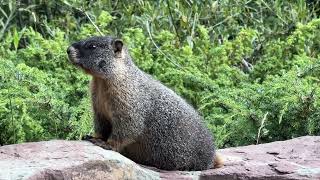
(96, 54)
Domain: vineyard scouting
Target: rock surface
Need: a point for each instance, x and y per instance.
(57, 159)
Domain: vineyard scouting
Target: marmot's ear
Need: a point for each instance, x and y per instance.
(117, 45)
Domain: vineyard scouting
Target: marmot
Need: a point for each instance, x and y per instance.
(138, 116)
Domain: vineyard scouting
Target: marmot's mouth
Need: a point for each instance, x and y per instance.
(84, 68)
(88, 71)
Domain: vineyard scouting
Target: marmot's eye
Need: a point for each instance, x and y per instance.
(92, 46)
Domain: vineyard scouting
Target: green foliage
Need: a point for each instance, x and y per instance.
(42, 96)
(251, 68)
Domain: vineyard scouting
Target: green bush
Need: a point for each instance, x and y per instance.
(250, 68)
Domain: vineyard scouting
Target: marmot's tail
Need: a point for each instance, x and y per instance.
(218, 161)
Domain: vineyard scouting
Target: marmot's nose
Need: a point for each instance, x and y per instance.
(69, 49)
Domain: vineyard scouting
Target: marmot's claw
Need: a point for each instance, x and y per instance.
(104, 146)
(101, 143)
(87, 137)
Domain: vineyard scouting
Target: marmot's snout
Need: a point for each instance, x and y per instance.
(72, 54)
(69, 49)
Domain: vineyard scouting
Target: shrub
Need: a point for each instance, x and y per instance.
(250, 68)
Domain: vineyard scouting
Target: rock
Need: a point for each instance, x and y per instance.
(298, 158)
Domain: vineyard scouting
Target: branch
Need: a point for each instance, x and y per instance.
(5, 26)
(171, 17)
(97, 28)
(173, 62)
(247, 67)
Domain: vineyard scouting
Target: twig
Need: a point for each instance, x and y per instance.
(12, 120)
(93, 23)
(171, 17)
(247, 67)
(5, 26)
(195, 17)
(227, 18)
(87, 15)
(148, 29)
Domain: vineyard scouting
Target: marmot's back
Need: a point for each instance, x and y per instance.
(175, 136)
(140, 117)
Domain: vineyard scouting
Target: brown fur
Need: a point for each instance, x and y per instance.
(218, 161)
(100, 97)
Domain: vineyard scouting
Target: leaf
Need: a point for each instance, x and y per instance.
(16, 38)
(4, 13)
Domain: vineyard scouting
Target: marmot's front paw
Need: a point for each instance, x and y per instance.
(97, 141)
(87, 137)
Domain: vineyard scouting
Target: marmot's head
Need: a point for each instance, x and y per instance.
(96, 55)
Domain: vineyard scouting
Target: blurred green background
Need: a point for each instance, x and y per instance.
(251, 67)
